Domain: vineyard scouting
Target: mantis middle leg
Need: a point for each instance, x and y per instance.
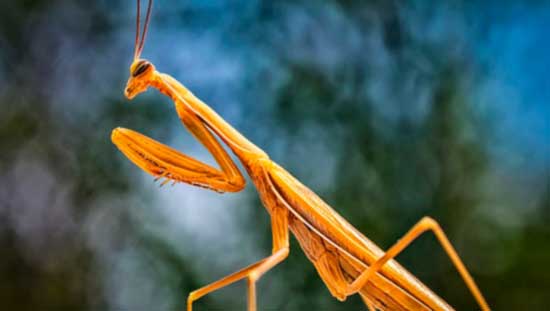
(279, 225)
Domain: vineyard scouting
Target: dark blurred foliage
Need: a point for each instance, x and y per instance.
(379, 106)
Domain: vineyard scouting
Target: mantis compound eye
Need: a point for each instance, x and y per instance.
(141, 67)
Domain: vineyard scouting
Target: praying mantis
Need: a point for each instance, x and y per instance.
(347, 262)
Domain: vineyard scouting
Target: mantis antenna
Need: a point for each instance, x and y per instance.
(138, 45)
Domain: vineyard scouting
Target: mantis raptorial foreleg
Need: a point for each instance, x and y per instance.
(164, 162)
(279, 225)
(424, 225)
(160, 160)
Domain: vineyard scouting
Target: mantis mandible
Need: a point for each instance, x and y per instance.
(347, 262)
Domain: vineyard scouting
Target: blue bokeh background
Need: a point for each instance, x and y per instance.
(388, 110)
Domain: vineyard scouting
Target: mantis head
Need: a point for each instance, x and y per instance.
(141, 70)
(141, 76)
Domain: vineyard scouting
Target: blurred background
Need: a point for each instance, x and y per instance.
(389, 110)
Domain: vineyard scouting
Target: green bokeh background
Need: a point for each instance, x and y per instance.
(389, 110)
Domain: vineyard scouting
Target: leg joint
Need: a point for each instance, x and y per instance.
(253, 276)
(192, 296)
(429, 222)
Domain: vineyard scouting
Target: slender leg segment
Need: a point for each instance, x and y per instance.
(254, 272)
(424, 225)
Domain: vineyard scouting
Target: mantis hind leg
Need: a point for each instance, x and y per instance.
(424, 225)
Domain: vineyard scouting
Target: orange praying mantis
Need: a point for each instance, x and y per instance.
(347, 262)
